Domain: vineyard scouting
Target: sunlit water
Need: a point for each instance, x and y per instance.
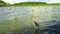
(16, 18)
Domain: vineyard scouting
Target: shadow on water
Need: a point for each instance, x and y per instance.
(54, 29)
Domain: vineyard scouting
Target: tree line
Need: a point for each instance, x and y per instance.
(2, 3)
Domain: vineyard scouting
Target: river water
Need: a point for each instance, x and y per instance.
(15, 18)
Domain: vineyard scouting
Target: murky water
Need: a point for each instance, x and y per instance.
(16, 18)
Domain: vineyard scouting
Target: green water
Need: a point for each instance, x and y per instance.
(16, 18)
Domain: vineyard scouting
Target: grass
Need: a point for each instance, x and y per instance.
(36, 4)
(33, 4)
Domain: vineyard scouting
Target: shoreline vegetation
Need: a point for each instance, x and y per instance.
(36, 4)
(2, 3)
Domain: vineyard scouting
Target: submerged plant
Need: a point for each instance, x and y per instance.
(37, 30)
(15, 16)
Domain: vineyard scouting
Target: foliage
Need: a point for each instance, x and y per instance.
(2, 3)
(29, 3)
(36, 4)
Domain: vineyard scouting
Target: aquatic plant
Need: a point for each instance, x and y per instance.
(15, 16)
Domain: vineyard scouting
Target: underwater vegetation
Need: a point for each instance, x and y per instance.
(54, 29)
(29, 20)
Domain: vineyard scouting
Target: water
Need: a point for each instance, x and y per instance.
(16, 18)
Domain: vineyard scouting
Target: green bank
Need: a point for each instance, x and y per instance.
(2, 3)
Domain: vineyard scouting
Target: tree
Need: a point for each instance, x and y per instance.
(2, 3)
